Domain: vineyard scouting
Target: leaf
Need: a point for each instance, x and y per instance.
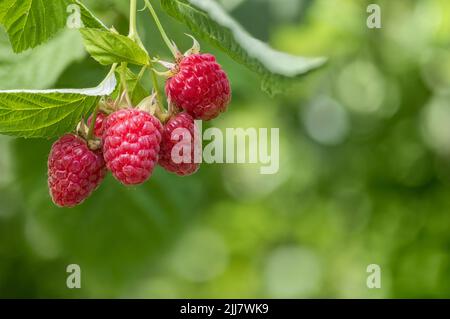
(39, 68)
(88, 18)
(32, 22)
(209, 21)
(136, 90)
(48, 113)
(107, 47)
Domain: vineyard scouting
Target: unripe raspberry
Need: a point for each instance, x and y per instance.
(99, 121)
(131, 140)
(74, 171)
(200, 87)
(179, 132)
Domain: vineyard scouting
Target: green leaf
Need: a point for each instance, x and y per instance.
(39, 68)
(136, 90)
(48, 113)
(32, 22)
(209, 21)
(107, 47)
(88, 18)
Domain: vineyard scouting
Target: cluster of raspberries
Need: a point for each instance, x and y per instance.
(133, 141)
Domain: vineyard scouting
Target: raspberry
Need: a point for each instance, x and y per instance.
(74, 171)
(175, 126)
(131, 140)
(99, 121)
(200, 87)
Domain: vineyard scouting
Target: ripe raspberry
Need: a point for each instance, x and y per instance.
(174, 133)
(200, 87)
(74, 171)
(131, 140)
(99, 121)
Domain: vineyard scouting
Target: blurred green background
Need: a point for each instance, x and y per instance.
(364, 175)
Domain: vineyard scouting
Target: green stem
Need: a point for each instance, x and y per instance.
(161, 29)
(157, 91)
(133, 28)
(123, 81)
(141, 73)
(97, 108)
(93, 120)
(133, 33)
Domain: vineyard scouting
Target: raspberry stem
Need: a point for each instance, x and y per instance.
(133, 29)
(157, 90)
(90, 134)
(166, 39)
(141, 73)
(123, 81)
(97, 108)
(133, 33)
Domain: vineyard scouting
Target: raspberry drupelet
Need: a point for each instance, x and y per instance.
(179, 131)
(199, 86)
(99, 121)
(74, 171)
(131, 142)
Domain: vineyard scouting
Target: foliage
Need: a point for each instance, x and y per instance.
(30, 23)
(364, 178)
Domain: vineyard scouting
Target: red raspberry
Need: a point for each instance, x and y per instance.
(131, 140)
(200, 87)
(174, 133)
(74, 171)
(99, 121)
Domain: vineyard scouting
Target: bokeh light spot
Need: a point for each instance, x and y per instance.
(436, 127)
(200, 255)
(293, 272)
(360, 87)
(326, 121)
